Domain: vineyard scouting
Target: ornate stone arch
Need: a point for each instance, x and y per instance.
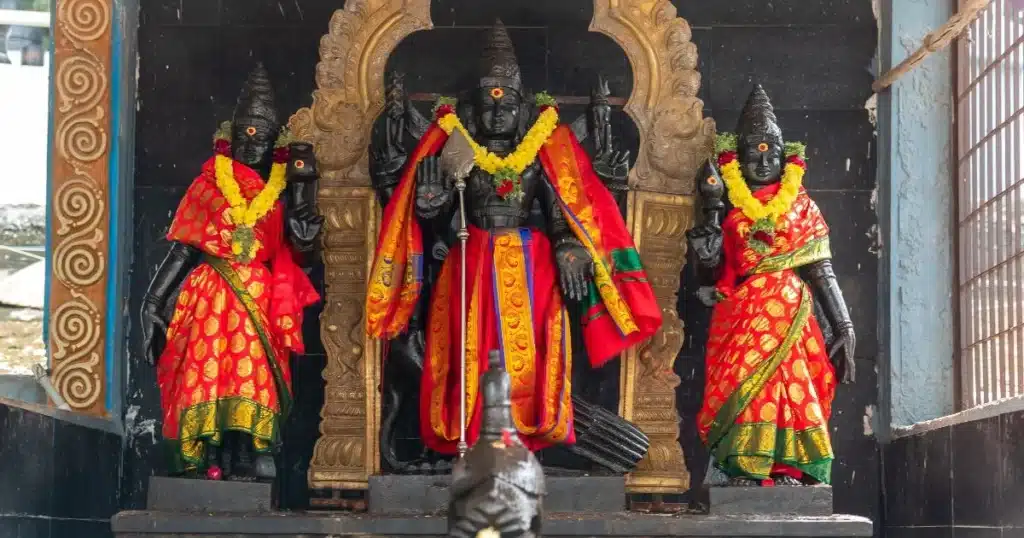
(675, 139)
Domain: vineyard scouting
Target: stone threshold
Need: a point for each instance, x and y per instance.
(144, 524)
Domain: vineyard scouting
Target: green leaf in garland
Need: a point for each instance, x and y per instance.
(223, 132)
(442, 101)
(798, 149)
(545, 99)
(284, 138)
(725, 142)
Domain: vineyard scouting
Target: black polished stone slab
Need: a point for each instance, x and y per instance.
(165, 525)
(183, 495)
(403, 495)
(777, 501)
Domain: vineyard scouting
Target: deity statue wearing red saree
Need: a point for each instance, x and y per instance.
(224, 375)
(770, 381)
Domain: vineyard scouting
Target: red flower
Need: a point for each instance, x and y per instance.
(222, 147)
(726, 157)
(443, 111)
(544, 107)
(795, 159)
(505, 188)
(764, 237)
(281, 155)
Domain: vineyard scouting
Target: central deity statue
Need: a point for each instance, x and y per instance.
(527, 279)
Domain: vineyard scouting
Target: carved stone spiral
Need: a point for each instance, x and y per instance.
(74, 334)
(81, 84)
(84, 20)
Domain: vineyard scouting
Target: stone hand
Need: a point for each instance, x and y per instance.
(610, 165)
(302, 165)
(706, 243)
(433, 189)
(390, 157)
(154, 330)
(575, 269)
(708, 296)
(842, 354)
(304, 229)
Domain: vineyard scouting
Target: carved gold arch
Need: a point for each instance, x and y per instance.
(675, 139)
(79, 202)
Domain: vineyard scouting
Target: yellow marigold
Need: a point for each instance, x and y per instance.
(744, 200)
(243, 212)
(524, 154)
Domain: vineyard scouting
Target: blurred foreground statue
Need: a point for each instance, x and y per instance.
(498, 487)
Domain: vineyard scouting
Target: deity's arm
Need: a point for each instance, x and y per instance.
(826, 288)
(302, 221)
(556, 224)
(178, 263)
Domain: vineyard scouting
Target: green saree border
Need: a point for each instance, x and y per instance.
(814, 250)
(216, 417)
(238, 287)
(752, 449)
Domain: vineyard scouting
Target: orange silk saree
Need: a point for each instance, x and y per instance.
(769, 383)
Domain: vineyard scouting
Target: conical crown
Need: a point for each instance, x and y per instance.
(257, 99)
(758, 118)
(498, 65)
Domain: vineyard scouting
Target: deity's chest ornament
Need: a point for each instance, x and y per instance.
(767, 217)
(243, 213)
(506, 172)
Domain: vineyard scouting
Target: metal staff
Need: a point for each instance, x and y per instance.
(460, 186)
(457, 161)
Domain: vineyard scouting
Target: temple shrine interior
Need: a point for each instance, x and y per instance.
(490, 269)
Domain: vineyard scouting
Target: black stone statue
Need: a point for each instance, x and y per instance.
(778, 310)
(498, 124)
(498, 487)
(207, 322)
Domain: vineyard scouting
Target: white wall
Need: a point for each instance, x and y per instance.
(24, 105)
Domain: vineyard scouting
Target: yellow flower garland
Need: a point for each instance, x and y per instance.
(742, 198)
(244, 214)
(518, 160)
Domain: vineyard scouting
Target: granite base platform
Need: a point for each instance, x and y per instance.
(393, 495)
(184, 495)
(323, 525)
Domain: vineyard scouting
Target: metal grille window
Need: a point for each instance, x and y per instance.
(990, 152)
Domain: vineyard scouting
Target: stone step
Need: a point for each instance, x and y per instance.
(264, 525)
(183, 495)
(408, 494)
(772, 501)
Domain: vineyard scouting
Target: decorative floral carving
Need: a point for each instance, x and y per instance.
(82, 37)
(675, 140)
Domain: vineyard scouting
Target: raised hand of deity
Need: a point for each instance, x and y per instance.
(611, 165)
(433, 188)
(304, 223)
(705, 239)
(575, 268)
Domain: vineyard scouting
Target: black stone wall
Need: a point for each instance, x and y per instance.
(811, 55)
(964, 480)
(59, 478)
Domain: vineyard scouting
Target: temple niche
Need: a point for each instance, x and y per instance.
(355, 93)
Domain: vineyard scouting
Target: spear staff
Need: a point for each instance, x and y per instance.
(457, 163)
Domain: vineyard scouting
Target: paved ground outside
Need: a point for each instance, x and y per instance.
(24, 105)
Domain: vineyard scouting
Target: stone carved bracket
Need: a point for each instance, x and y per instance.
(348, 98)
(675, 140)
(79, 209)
